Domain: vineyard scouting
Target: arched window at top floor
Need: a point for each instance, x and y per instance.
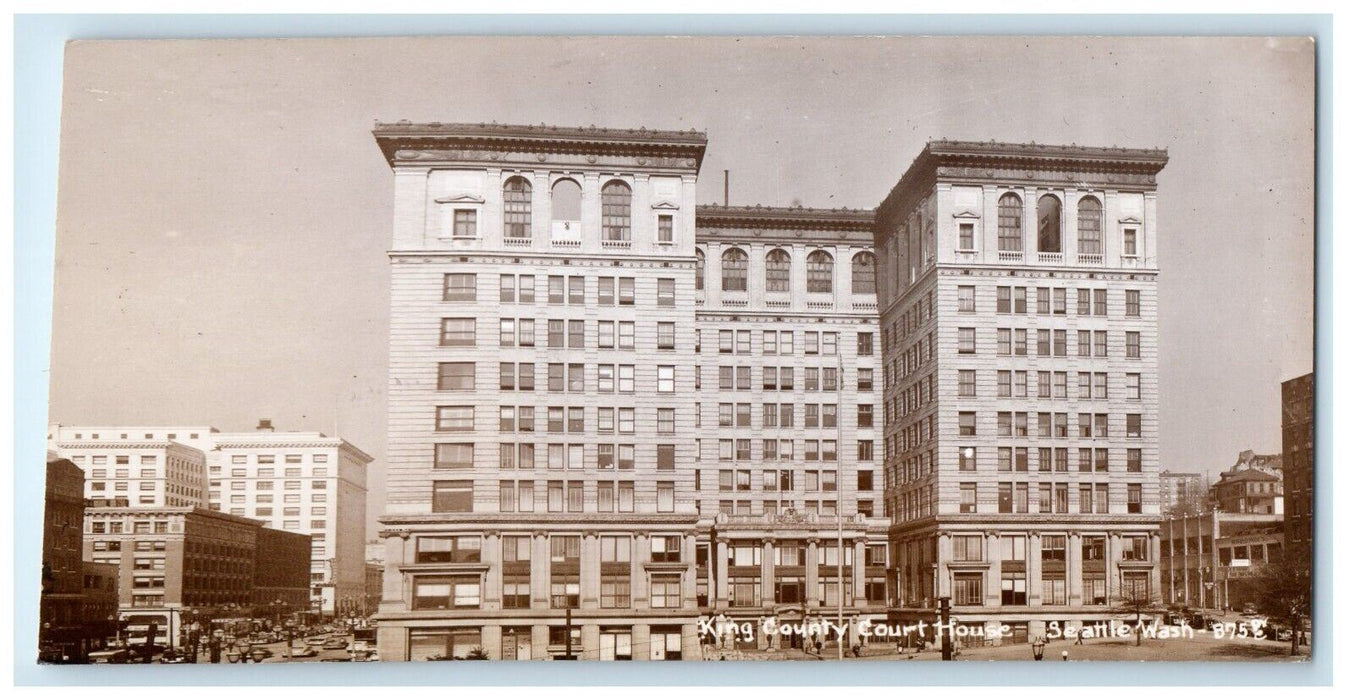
(615, 211)
(819, 272)
(862, 273)
(778, 271)
(517, 207)
(1089, 230)
(734, 270)
(1050, 224)
(1010, 223)
(566, 200)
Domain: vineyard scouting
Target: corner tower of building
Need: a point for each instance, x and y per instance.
(1018, 303)
(540, 449)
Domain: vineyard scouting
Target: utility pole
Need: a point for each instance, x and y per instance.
(946, 648)
(569, 633)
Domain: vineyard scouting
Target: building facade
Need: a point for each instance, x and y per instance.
(1183, 492)
(788, 393)
(302, 482)
(1018, 312)
(1298, 396)
(61, 607)
(173, 559)
(540, 498)
(1211, 559)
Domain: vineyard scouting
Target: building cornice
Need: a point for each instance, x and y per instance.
(1021, 163)
(413, 143)
(784, 225)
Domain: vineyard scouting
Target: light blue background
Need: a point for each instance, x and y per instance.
(38, 43)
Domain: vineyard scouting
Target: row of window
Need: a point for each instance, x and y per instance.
(1050, 342)
(739, 342)
(566, 207)
(560, 377)
(1050, 459)
(1052, 301)
(733, 269)
(1049, 384)
(968, 588)
(783, 450)
(1011, 226)
(215, 496)
(783, 415)
(739, 378)
(784, 480)
(1049, 498)
(560, 333)
(560, 289)
(267, 472)
(457, 496)
(968, 423)
(775, 506)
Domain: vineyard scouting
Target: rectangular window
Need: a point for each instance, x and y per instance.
(1132, 344)
(1131, 242)
(458, 332)
(458, 286)
(965, 236)
(665, 228)
(966, 341)
(966, 299)
(1132, 303)
(463, 223)
(455, 418)
(454, 455)
(453, 496)
(456, 376)
(667, 292)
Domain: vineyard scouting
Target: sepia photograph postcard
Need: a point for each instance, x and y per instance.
(692, 348)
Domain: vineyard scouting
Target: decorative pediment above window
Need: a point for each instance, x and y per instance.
(460, 199)
(1131, 220)
(666, 205)
(967, 214)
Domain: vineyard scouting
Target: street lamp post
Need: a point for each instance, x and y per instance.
(1038, 647)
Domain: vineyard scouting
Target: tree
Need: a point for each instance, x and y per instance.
(1137, 601)
(1285, 588)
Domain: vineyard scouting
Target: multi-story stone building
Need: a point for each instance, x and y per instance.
(1019, 321)
(1182, 492)
(1212, 559)
(539, 491)
(301, 482)
(787, 395)
(1298, 459)
(170, 559)
(61, 606)
(145, 466)
(295, 481)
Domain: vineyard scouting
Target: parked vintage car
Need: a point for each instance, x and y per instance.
(334, 643)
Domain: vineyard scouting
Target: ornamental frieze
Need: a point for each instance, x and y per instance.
(1031, 175)
(532, 159)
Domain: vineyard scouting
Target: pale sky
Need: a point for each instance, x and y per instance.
(224, 213)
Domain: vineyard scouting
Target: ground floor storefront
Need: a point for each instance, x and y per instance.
(538, 639)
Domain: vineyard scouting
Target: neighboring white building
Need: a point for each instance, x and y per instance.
(302, 482)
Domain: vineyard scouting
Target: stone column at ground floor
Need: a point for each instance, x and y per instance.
(691, 650)
(392, 643)
(811, 576)
(540, 642)
(491, 640)
(591, 638)
(639, 643)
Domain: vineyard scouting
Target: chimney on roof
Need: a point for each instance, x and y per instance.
(265, 426)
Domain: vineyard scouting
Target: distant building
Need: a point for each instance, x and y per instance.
(302, 482)
(61, 605)
(278, 581)
(1248, 491)
(1298, 461)
(1209, 560)
(375, 571)
(1183, 492)
(172, 559)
